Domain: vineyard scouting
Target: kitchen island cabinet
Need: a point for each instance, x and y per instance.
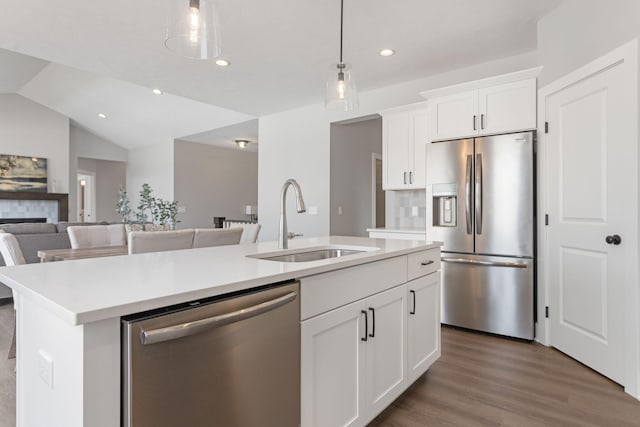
(68, 313)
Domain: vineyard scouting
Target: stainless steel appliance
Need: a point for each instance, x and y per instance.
(480, 197)
(230, 361)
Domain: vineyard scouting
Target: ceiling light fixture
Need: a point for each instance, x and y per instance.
(192, 29)
(341, 91)
(387, 52)
(242, 143)
(222, 63)
(102, 115)
(157, 91)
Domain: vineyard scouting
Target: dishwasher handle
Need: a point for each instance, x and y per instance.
(182, 330)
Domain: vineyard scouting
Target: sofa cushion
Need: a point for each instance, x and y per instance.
(29, 228)
(32, 243)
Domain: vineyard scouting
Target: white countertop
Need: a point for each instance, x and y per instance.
(399, 230)
(89, 290)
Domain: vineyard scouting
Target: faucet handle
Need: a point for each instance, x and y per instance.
(291, 235)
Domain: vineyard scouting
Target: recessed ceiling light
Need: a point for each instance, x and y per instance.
(102, 115)
(242, 143)
(386, 52)
(157, 91)
(222, 62)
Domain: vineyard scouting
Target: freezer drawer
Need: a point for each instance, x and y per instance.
(489, 294)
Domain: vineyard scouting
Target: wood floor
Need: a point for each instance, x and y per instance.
(479, 381)
(482, 380)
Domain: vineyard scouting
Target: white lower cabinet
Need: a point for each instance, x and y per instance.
(423, 330)
(367, 333)
(354, 361)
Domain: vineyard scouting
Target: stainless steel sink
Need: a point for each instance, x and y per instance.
(311, 254)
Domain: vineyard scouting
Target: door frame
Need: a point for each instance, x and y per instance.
(374, 157)
(90, 189)
(627, 54)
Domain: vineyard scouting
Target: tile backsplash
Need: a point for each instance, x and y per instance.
(401, 206)
(29, 209)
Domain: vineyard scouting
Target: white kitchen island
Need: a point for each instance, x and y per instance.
(68, 315)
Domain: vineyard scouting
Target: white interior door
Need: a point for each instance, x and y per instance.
(591, 193)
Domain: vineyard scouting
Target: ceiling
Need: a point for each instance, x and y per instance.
(280, 52)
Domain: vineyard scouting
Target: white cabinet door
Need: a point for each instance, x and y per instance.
(454, 116)
(423, 334)
(331, 368)
(419, 136)
(395, 151)
(509, 107)
(385, 367)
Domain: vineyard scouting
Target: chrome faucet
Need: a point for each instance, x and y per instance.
(283, 238)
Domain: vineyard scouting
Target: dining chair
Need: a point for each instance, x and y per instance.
(96, 236)
(250, 233)
(157, 241)
(12, 254)
(206, 237)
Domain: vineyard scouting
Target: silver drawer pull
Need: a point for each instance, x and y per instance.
(425, 263)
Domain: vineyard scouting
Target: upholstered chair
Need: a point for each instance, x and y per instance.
(205, 237)
(97, 236)
(156, 241)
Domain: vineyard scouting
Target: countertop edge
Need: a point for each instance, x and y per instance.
(97, 314)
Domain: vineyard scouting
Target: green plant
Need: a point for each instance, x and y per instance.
(158, 211)
(122, 206)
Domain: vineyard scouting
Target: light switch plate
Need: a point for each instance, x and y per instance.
(312, 210)
(414, 211)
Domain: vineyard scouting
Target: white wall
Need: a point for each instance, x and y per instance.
(211, 181)
(351, 177)
(295, 143)
(30, 129)
(152, 165)
(85, 145)
(579, 31)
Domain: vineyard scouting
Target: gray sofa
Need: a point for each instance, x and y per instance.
(35, 237)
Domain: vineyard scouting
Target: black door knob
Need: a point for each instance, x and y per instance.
(613, 240)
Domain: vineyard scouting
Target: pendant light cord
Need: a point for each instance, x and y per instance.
(341, 19)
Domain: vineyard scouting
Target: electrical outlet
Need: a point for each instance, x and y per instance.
(312, 210)
(182, 209)
(414, 211)
(45, 368)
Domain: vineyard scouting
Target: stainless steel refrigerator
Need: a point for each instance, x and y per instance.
(480, 200)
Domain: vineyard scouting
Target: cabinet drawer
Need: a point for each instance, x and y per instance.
(422, 263)
(324, 292)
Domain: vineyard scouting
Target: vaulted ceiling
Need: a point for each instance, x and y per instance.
(106, 56)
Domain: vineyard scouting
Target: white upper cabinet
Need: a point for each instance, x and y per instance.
(403, 140)
(508, 107)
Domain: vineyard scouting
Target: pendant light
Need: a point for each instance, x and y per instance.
(340, 90)
(192, 29)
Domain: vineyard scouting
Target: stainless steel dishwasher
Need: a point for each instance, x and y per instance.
(227, 361)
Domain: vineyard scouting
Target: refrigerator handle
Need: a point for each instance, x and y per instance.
(479, 193)
(467, 189)
(485, 263)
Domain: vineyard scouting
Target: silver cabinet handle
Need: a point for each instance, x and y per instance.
(425, 263)
(191, 328)
(481, 121)
(479, 193)
(485, 263)
(405, 177)
(474, 122)
(467, 189)
(410, 177)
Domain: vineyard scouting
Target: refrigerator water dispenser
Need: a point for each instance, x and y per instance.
(445, 198)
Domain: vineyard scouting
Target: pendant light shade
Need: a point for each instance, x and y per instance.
(192, 29)
(340, 93)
